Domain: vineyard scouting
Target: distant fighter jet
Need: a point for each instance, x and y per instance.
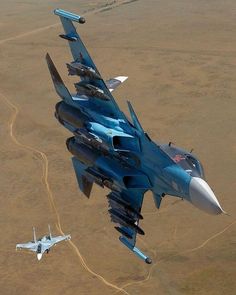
(43, 244)
(110, 150)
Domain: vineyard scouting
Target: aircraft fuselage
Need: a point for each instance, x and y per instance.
(162, 168)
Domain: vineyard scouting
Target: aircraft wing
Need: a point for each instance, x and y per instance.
(54, 240)
(84, 67)
(29, 246)
(125, 210)
(58, 239)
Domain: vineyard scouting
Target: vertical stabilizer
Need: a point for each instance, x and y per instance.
(134, 118)
(49, 230)
(59, 85)
(84, 183)
(34, 234)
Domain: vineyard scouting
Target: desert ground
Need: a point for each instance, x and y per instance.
(180, 57)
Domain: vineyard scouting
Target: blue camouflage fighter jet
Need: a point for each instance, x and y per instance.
(114, 152)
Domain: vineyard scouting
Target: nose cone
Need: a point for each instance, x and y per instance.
(203, 197)
(39, 256)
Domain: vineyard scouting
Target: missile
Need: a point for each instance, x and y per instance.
(81, 152)
(101, 179)
(121, 215)
(96, 176)
(87, 138)
(77, 68)
(117, 216)
(123, 232)
(69, 114)
(120, 208)
(116, 219)
(116, 198)
(109, 184)
(87, 89)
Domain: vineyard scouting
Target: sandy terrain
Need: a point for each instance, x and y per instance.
(180, 57)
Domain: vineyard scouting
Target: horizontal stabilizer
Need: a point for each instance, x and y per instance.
(84, 183)
(113, 83)
(59, 85)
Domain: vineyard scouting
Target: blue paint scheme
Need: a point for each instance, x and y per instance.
(111, 151)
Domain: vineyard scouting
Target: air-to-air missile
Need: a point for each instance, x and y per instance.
(87, 89)
(101, 179)
(120, 217)
(123, 232)
(89, 139)
(116, 201)
(77, 68)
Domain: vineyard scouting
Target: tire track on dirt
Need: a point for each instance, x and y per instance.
(101, 8)
(203, 244)
(43, 157)
(45, 165)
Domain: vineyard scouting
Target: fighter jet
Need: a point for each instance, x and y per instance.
(114, 151)
(43, 244)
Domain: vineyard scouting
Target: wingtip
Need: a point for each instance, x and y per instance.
(47, 56)
(121, 78)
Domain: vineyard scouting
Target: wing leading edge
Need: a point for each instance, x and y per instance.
(84, 67)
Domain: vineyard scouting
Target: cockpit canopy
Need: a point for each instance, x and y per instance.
(39, 248)
(184, 159)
